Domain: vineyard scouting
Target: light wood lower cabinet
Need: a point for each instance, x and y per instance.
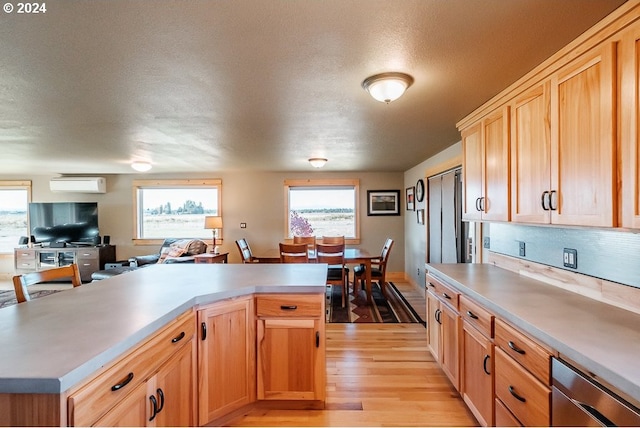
(153, 385)
(291, 347)
(226, 368)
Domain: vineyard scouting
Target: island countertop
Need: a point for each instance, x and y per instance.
(600, 338)
(52, 343)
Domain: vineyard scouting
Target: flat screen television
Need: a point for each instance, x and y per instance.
(69, 222)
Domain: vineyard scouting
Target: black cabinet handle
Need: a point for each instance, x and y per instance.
(484, 364)
(161, 397)
(154, 403)
(438, 313)
(203, 327)
(178, 338)
(472, 315)
(544, 199)
(482, 203)
(123, 383)
(553, 200)
(317, 339)
(517, 397)
(430, 284)
(288, 307)
(478, 204)
(515, 348)
(446, 296)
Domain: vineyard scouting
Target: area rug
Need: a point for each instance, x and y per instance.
(8, 297)
(393, 308)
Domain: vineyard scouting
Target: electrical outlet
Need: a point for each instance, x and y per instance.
(486, 242)
(521, 247)
(243, 225)
(570, 258)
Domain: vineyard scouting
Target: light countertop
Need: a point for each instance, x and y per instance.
(603, 339)
(47, 345)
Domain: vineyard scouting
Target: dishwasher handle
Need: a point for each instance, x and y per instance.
(593, 412)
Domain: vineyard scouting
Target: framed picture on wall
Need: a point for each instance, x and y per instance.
(383, 202)
(411, 201)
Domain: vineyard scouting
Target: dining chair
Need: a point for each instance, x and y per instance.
(21, 282)
(245, 251)
(333, 239)
(337, 272)
(294, 253)
(378, 268)
(309, 240)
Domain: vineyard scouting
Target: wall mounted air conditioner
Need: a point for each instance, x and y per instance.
(78, 184)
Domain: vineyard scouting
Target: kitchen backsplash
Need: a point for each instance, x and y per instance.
(610, 255)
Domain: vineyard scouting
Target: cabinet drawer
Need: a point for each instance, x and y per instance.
(25, 255)
(531, 355)
(477, 316)
(26, 264)
(87, 254)
(504, 418)
(112, 385)
(290, 305)
(525, 396)
(444, 292)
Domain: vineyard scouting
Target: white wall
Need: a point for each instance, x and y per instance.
(415, 235)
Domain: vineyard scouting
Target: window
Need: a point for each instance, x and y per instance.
(174, 208)
(322, 208)
(14, 205)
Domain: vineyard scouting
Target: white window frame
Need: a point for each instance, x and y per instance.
(328, 183)
(168, 184)
(18, 185)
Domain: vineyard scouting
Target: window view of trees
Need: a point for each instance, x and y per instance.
(322, 211)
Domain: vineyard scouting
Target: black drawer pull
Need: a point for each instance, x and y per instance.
(446, 296)
(161, 397)
(123, 383)
(517, 397)
(178, 338)
(203, 327)
(288, 307)
(472, 315)
(154, 403)
(484, 364)
(515, 348)
(317, 339)
(430, 284)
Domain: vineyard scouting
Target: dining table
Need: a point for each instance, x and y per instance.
(351, 256)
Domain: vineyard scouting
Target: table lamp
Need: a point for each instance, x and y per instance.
(214, 223)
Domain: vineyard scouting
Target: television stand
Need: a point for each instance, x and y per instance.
(88, 259)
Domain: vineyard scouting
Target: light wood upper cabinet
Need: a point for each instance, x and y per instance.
(630, 126)
(530, 156)
(226, 366)
(583, 141)
(485, 168)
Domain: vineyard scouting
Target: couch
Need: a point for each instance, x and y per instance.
(172, 250)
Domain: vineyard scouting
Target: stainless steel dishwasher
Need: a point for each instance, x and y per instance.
(577, 400)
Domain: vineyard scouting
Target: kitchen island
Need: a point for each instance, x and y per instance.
(602, 339)
(51, 345)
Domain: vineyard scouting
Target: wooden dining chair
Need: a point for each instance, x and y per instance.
(333, 239)
(294, 253)
(337, 272)
(309, 240)
(21, 282)
(378, 268)
(245, 251)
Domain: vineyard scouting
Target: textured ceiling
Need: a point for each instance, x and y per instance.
(229, 85)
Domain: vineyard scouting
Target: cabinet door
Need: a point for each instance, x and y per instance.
(476, 382)
(290, 359)
(530, 156)
(495, 202)
(450, 345)
(472, 170)
(226, 358)
(583, 141)
(630, 126)
(174, 388)
(433, 326)
(133, 411)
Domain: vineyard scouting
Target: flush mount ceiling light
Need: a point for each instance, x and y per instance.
(317, 162)
(387, 87)
(141, 166)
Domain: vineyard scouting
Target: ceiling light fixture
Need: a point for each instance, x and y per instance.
(317, 162)
(141, 166)
(387, 87)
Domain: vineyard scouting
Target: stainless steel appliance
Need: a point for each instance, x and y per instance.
(578, 400)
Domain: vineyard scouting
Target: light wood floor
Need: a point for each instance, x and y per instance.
(378, 375)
